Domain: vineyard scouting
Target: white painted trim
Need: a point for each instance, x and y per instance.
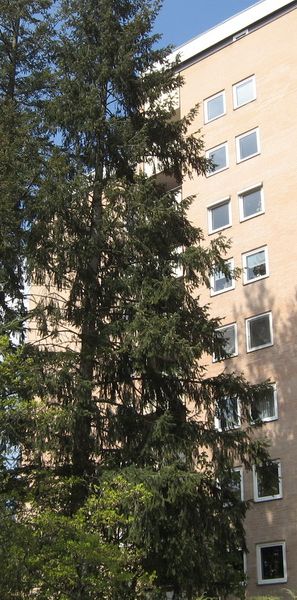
(178, 192)
(245, 192)
(240, 137)
(258, 498)
(262, 581)
(245, 563)
(239, 83)
(209, 214)
(250, 188)
(227, 28)
(205, 103)
(245, 255)
(248, 340)
(178, 269)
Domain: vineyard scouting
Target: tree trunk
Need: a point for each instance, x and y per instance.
(83, 465)
(14, 60)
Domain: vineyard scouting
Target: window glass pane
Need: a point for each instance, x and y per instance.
(252, 203)
(219, 158)
(260, 334)
(178, 195)
(228, 337)
(272, 562)
(215, 107)
(265, 407)
(268, 481)
(248, 145)
(11, 456)
(256, 265)
(229, 340)
(235, 484)
(240, 566)
(244, 92)
(221, 281)
(228, 413)
(220, 216)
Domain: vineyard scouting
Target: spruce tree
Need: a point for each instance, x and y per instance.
(24, 31)
(117, 382)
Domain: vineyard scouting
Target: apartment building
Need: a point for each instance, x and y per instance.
(243, 74)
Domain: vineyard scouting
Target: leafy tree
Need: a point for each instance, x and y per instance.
(117, 374)
(49, 555)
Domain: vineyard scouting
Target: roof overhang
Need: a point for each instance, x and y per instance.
(214, 38)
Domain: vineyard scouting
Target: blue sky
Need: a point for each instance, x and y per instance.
(181, 20)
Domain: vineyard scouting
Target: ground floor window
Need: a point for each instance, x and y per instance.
(271, 563)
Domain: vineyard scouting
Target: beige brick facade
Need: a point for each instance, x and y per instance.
(268, 52)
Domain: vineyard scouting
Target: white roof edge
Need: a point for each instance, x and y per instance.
(227, 28)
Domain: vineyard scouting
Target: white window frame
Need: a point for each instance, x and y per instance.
(218, 424)
(275, 404)
(248, 341)
(213, 97)
(245, 192)
(230, 261)
(240, 470)
(178, 270)
(214, 359)
(178, 192)
(262, 581)
(237, 143)
(245, 255)
(207, 154)
(244, 563)
(217, 205)
(258, 498)
(236, 85)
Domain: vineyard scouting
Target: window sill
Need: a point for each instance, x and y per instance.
(241, 160)
(260, 347)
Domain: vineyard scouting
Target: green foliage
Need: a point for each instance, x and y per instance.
(24, 80)
(49, 555)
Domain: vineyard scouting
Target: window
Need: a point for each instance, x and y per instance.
(240, 35)
(259, 332)
(244, 92)
(267, 482)
(177, 269)
(247, 145)
(265, 408)
(241, 565)
(228, 335)
(178, 195)
(219, 216)
(214, 107)
(251, 202)
(231, 484)
(222, 282)
(271, 563)
(237, 483)
(255, 265)
(219, 158)
(227, 414)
